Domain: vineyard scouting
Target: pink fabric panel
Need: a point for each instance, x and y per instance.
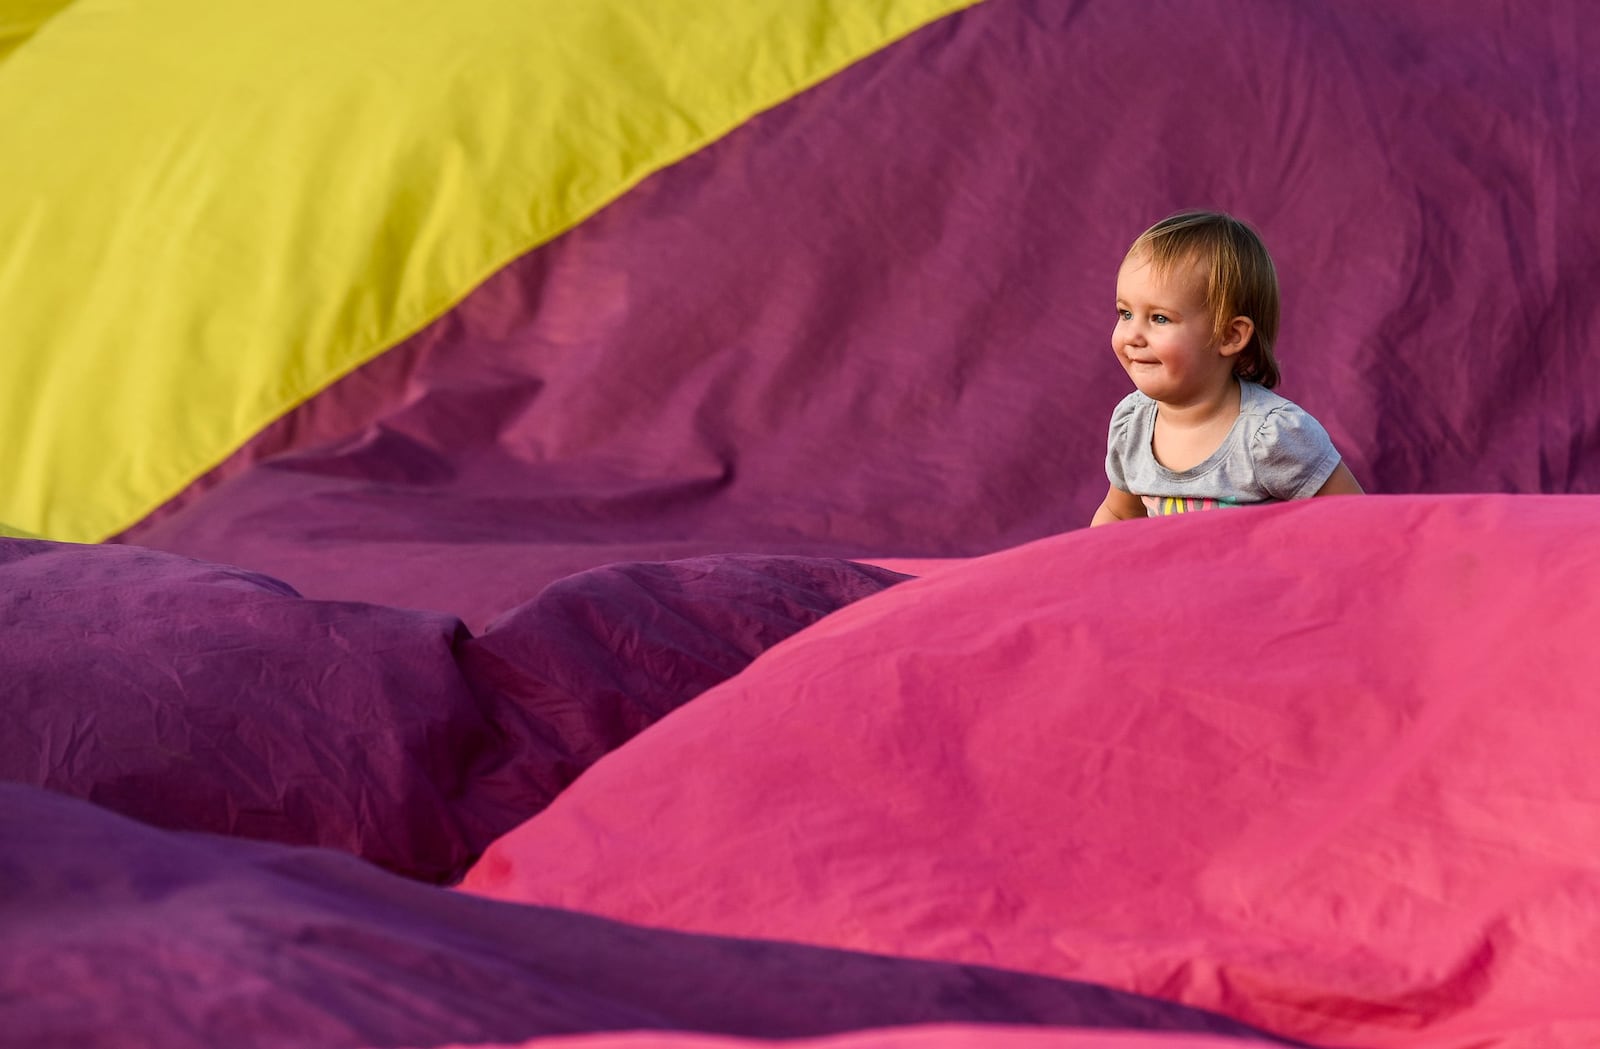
(930, 1037)
(1280, 763)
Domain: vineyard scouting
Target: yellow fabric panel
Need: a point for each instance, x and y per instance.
(20, 19)
(221, 207)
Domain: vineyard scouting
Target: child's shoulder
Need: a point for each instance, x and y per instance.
(1257, 400)
(1273, 418)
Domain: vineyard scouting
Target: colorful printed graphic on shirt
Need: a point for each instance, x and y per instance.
(1161, 506)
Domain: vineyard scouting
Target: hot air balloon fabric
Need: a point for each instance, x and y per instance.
(563, 525)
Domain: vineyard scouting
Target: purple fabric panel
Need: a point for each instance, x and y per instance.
(875, 321)
(600, 656)
(117, 935)
(198, 697)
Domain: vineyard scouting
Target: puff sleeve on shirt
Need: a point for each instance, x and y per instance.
(1294, 455)
(1116, 439)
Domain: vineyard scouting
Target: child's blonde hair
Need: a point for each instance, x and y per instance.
(1240, 279)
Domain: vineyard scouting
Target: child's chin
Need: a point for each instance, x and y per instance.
(1146, 384)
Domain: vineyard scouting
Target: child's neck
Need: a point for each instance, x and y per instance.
(1220, 404)
(1189, 433)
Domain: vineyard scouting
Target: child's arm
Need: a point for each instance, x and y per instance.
(1340, 482)
(1119, 506)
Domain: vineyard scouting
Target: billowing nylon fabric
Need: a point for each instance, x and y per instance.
(21, 19)
(201, 697)
(922, 1037)
(118, 934)
(1323, 767)
(875, 321)
(210, 211)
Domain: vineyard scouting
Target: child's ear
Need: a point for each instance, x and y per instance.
(1236, 336)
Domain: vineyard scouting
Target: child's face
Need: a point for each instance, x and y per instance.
(1164, 337)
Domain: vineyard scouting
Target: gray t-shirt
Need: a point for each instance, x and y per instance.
(1275, 451)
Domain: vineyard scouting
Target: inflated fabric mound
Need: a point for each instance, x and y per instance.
(120, 934)
(508, 425)
(1324, 767)
(929, 1037)
(199, 697)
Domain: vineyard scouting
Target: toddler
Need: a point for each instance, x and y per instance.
(1197, 311)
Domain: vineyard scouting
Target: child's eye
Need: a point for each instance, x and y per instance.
(1160, 318)
(1126, 315)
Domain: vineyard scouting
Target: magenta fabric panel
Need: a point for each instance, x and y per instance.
(1324, 767)
(118, 934)
(199, 697)
(875, 321)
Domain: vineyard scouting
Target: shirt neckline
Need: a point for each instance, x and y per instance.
(1210, 462)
